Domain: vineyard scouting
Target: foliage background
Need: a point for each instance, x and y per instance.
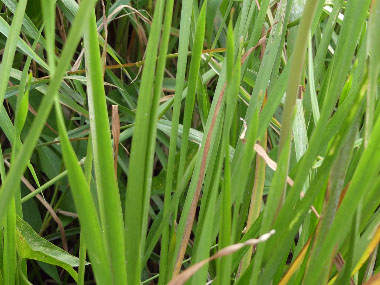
(139, 138)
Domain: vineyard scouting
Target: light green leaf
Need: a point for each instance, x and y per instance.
(30, 245)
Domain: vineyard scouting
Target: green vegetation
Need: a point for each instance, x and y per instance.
(197, 142)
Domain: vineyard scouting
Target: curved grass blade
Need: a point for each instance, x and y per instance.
(85, 206)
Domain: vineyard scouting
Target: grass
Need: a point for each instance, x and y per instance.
(172, 142)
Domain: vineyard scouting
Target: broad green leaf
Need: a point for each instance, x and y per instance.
(30, 245)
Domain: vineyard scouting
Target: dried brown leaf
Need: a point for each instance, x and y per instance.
(185, 275)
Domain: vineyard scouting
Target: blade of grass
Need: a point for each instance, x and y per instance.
(82, 241)
(136, 196)
(162, 220)
(152, 137)
(313, 94)
(21, 44)
(184, 35)
(206, 149)
(205, 231)
(279, 179)
(192, 83)
(107, 189)
(85, 206)
(224, 269)
(373, 42)
(225, 232)
(10, 48)
(189, 106)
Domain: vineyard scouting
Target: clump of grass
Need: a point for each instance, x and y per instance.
(194, 141)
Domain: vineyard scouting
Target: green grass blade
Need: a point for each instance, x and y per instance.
(85, 207)
(313, 94)
(192, 83)
(82, 241)
(373, 43)
(207, 150)
(152, 134)
(107, 189)
(134, 207)
(279, 179)
(10, 48)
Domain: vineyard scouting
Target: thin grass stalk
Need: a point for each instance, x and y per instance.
(295, 73)
(163, 220)
(205, 231)
(153, 130)
(180, 78)
(192, 83)
(279, 179)
(48, 12)
(255, 36)
(256, 199)
(10, 48)
(82, 240)
(225, 232)
(157, 90)
(233, 84)
(313, 94)
(2, 167)
(44, 186)
(206, 151)
(319, 59)
(9, 253)
(189, 106)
